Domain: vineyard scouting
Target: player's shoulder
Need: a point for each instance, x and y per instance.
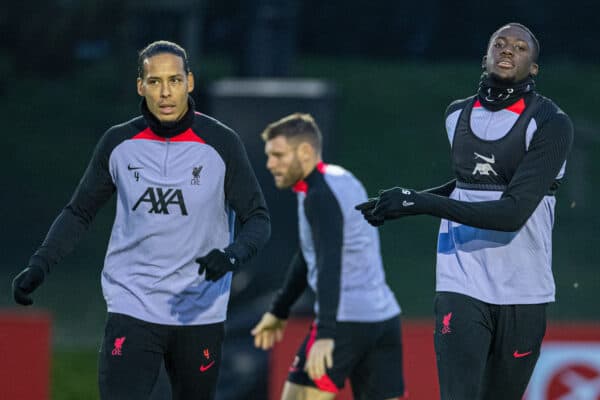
(129, 127)
(217, 135)
(342, 182)
(206, 123)
(458, 104)
(339, 177)
(335, 170)
(548, 110)
(121, 132)
(548, 104)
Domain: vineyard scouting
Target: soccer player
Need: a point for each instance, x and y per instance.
(356, 334)
(509, 147)
(181, 178)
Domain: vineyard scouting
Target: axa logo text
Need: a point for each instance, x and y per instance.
(160, 199)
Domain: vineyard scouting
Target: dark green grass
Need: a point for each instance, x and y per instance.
(74, 375)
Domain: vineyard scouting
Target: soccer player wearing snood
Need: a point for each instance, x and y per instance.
(509, 146)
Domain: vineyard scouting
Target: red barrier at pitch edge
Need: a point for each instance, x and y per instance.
(24, 355)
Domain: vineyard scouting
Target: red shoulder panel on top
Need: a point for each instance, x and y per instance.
(187, 136)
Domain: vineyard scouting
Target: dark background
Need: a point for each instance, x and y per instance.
(386, 71)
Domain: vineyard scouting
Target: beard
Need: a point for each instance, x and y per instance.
(293, 175)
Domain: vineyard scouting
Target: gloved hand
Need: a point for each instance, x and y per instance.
(25, 283)
(392, 203)
(398, 202)
(367, 208)
(216, 264)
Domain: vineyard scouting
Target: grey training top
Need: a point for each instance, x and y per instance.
(177, 191)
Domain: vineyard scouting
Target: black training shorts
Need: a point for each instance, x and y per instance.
(133, 351)
(369, 354)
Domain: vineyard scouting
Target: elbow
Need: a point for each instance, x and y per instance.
(267, 234)
(511, 226)
(266, 222)
(264, 230)
(516, 214)
(260, 224)
(512, 223)
(84, 216)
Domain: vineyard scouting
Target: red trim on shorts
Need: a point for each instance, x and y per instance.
(324, 383)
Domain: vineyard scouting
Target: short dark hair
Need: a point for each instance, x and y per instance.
(536, 43)
(160, 47)
(295, 126)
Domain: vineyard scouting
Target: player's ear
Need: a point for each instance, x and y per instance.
(534, 68)
(305, 151)
(140, 88)
(190, 79)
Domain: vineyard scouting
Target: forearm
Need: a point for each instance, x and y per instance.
(293, 286)
(507, 214)
(254, 233)
(444, 190)
(328, 296)
(60, 240)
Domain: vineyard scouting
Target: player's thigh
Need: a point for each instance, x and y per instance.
(130, 358)
(520, 330)
(346, 353)
(378, 375)
(294, 391)
(193, 359)
(462, 340)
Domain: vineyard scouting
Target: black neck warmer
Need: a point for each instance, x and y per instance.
(169, 129)
(495, 94)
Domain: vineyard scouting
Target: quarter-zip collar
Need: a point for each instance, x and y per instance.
(169, 129)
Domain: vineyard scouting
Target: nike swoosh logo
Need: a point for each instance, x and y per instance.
(203, 368)
(491, 160)
(129, 167)
(407, 203)
(516, 354)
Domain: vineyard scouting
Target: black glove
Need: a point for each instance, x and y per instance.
(398, 202)
(25, 283)
(366, 209)
(216, 264)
